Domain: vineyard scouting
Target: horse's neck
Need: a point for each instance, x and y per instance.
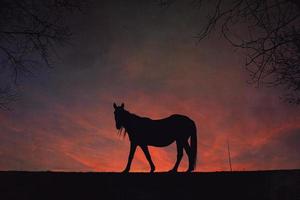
(130, 121)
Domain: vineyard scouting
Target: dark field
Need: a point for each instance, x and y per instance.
(281, 184)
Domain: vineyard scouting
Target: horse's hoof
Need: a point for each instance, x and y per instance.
(125, 171)
(172, 171)
(152, 169)
(190, 170)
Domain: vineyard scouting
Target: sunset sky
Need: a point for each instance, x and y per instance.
(146, 56)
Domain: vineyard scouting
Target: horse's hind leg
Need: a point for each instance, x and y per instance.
(147, 154)
(179, 156)
(187, 149)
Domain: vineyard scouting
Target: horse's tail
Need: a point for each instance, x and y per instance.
(194, 147)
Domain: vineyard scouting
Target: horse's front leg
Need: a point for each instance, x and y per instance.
(130, 157)
(147, 154)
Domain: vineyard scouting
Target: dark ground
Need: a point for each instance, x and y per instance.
(281, 184)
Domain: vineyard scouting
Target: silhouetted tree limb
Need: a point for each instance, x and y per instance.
(268, 31)
(30, 32)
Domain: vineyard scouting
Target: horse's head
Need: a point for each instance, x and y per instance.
(119, 115)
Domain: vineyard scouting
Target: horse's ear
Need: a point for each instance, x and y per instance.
(115, 106)
(122, 105)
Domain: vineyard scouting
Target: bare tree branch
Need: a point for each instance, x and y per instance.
(267, 31)
(271, 39)
(30, 32)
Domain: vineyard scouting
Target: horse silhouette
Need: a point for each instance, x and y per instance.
(144, 132)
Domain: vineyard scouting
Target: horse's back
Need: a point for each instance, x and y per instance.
(178, 117)
(176, 120)
(164, 131)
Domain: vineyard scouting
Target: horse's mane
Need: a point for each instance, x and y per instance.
(135, 116)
